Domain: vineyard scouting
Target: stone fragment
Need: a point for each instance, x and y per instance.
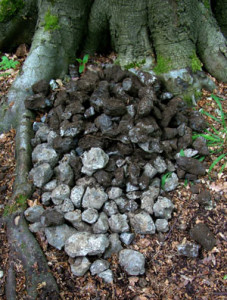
(36, 227)
(99, 266)
(50, 186)
(110, 208)
(197, 121)
(90, 215)
(171, 182)
(114, 193)
(85, 243)
(118, 223)
(57, 235)
(73, 216)
(163, 208)
(201, 146)
(188, 249)
(103, 178)
(127, 237)
(63, 144)
(64, 173)
(114, 246)
(204, 199)
(72, 130)
(41, 86)
(66, 206)
(142, 223)
(60, 193)
(43, 153)
(148, 198)
(46, 198)
(94, 159)
(76, 195)
(191, 165)
(132, 261)
(102, 225)
(188, 153)
(202, 235)
(94, 197)
(33, 213)
(50, 138)
(42, 133)
(162, 225)
(107, 276)
(41, 174)
(103, 122)
(37, 102)
(160, 164)
(80, 266)
(51, 217)
(150, 171)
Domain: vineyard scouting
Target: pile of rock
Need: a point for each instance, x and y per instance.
(98, 158)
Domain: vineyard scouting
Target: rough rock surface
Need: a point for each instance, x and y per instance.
(202, 235)
(132, 261)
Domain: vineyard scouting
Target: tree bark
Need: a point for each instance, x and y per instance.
(220, 11)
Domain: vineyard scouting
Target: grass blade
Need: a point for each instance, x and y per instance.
(211, 116)
(216, 161)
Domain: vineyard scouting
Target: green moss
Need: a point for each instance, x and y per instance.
(50, 22)
(8, 8)
(206, 3)
(196, 64)
(188, 99)
(163, 65)
(20, 203)
(135, 64)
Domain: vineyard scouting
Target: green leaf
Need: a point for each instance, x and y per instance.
(216, 161)
(186, 182)
(211, 116)
(79, 60)
(225, 277)
(164, 178)
(223, 167)
(81, 68)
(85, 59)
(182, 152)
(220, 107)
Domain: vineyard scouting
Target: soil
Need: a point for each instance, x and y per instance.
(168, 275)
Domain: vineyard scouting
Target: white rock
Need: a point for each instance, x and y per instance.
(94, 159)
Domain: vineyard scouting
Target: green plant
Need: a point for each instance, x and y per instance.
(225, 277)
(6, 63)
(164, 178)
(50, 22)
(135, 64)
(217, 139)
(20, 202)
(82, 63)
(196, 64)
(9, 8)
(163, 65)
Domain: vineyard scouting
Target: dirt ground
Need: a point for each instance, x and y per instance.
(168, 275)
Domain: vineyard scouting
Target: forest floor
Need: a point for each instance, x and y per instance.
(168, 275)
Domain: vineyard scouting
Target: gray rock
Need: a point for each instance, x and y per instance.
(102, 225)
(36, 227)
(66, 206)
(64, 173)
(42, 133)
(94, 159)
(85, 243)
(90, 215)
(46, 198)
(57, 235)
(162, 225)
(132, 261)
(163, 208)
(191, 165)
(99, 266)
(114, 247)
(142, 223)
(51, 217)
(201, 146)
(188, 249)
(121, 203)
(118, 223)
(202, 235)
(103, 122)
(60, 193)
(148, 198)
(156, 182)
(76, 195)
(43, 153)
(188, 153)
(94, 197)
(50, 137)
(50, 186)
(73, 216)
(160, 164)
(171, 183)
(110, 208)
(41, 174)
(1, 274)
(114, 193)
(204, 199)
(131, 188)
(70, 129)
(127, 237)
(86, 181)
(33, 213)
(80, 266)
(107, 276)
